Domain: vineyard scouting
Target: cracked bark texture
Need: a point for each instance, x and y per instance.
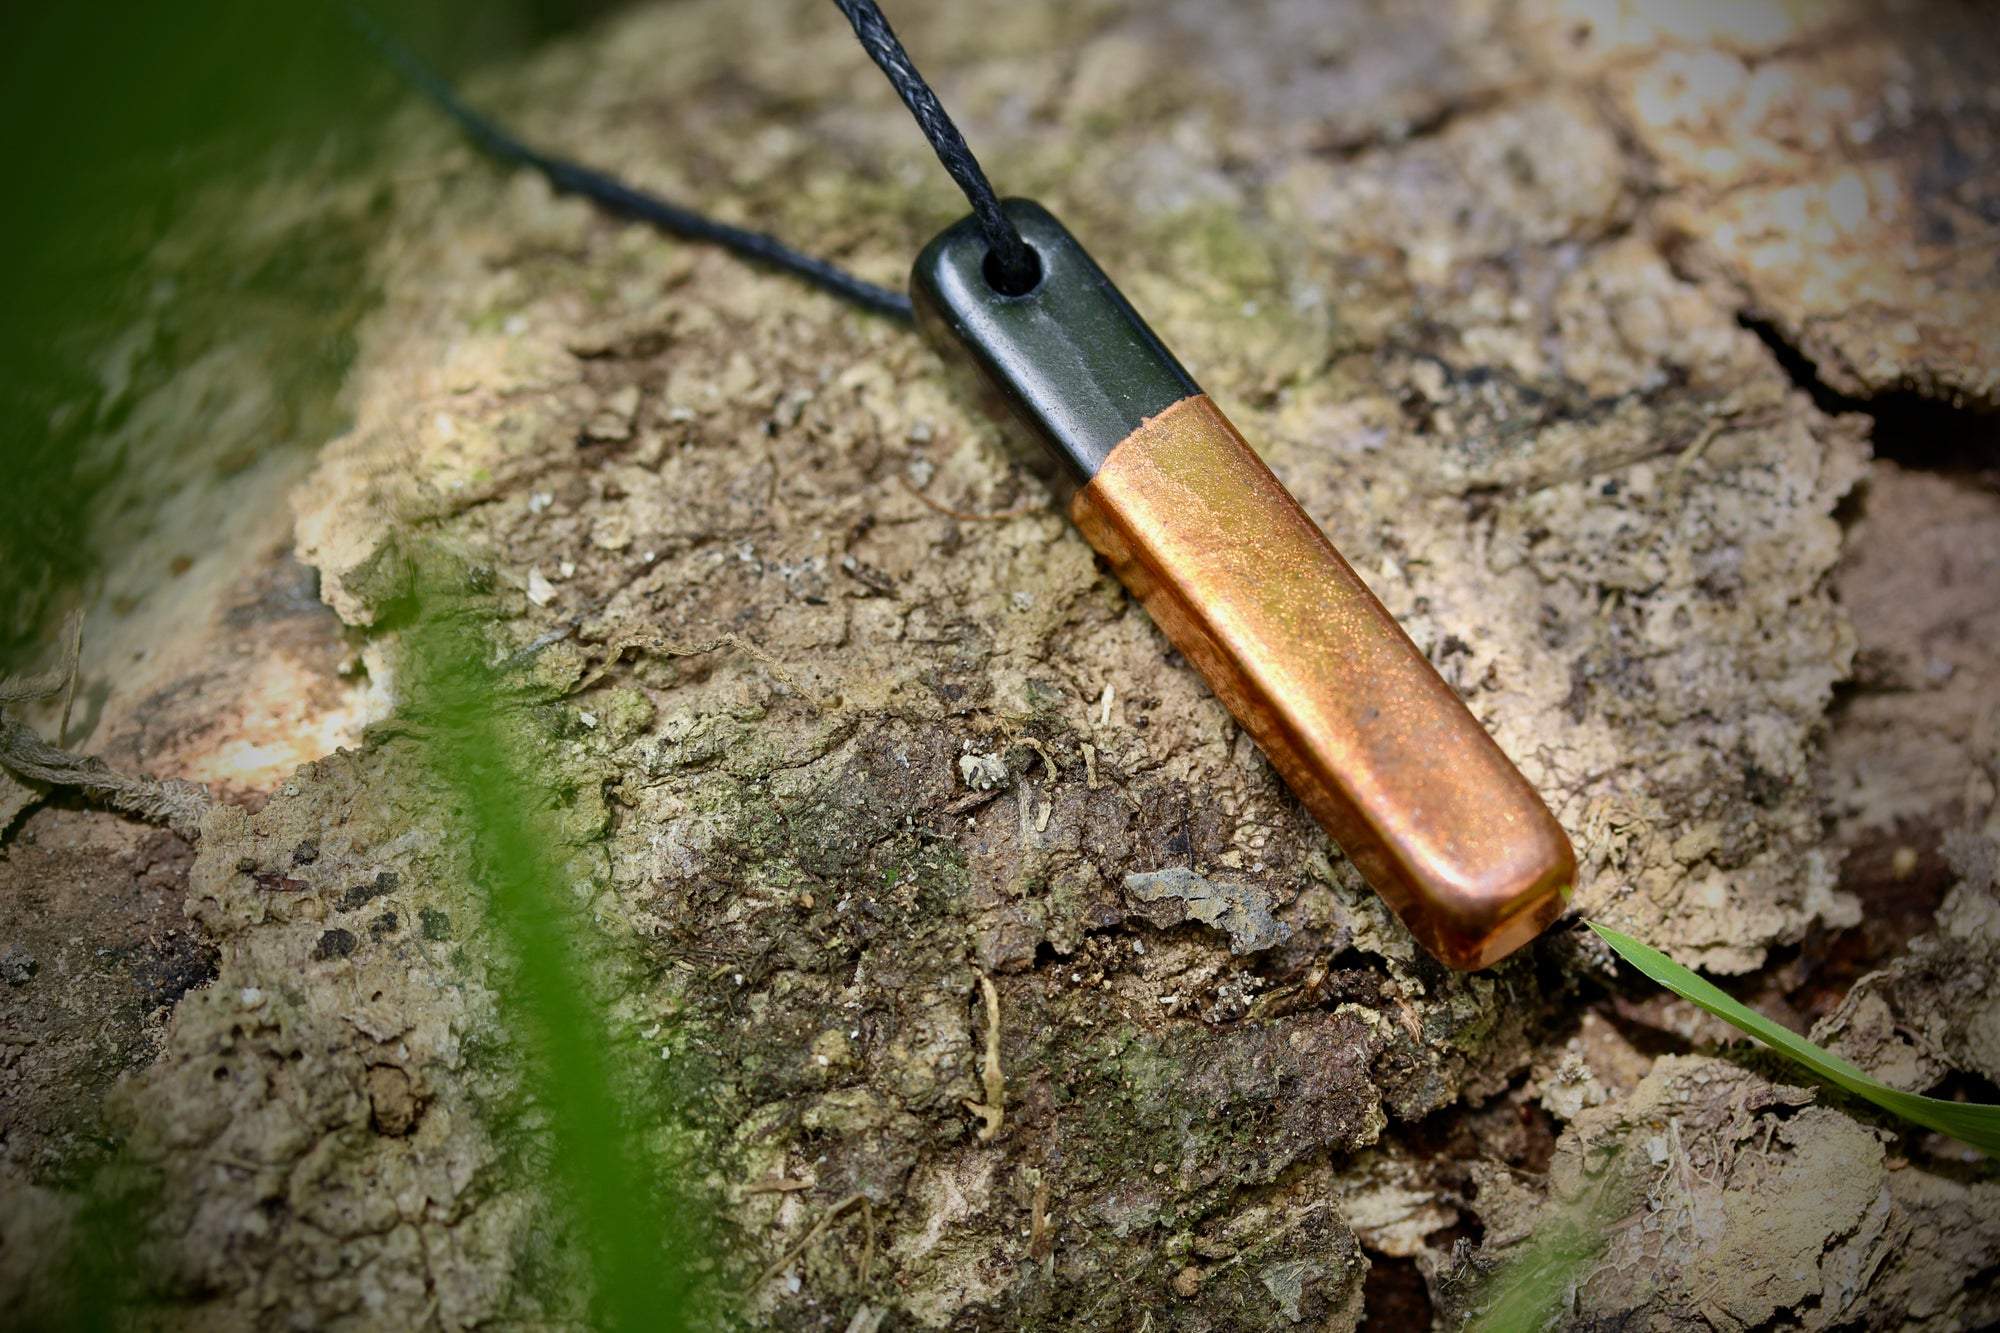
(1483, 282)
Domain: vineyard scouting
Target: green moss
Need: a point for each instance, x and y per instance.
(625, 713)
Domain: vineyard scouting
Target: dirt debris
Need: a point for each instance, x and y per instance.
(1240, 911)
(1714, 1197)
(95, 953)
(1935, 1009)
(333, 1090)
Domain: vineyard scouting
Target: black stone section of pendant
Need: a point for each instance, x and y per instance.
(1069, 360)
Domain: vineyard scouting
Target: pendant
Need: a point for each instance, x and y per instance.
(1372, 740)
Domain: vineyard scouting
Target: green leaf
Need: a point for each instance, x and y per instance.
(1965, 1121)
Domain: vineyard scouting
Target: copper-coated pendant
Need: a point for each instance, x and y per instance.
(1247, 587)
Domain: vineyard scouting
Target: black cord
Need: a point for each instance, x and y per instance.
(618, 197)
(1011, 266)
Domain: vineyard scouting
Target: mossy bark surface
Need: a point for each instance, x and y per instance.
(841, 716)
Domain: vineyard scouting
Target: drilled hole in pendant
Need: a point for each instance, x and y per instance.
(1020, 284)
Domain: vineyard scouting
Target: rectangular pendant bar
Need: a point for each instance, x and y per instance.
(1370, 738)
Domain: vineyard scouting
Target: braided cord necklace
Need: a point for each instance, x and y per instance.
(1349, 711)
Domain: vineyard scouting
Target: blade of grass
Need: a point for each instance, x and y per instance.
(101, 1277)
(1967, 1122)
(635, 1229)
(479, 739)
(1532, 1288)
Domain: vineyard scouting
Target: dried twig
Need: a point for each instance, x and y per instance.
(826, 1219)
(1048, 760)
(71, 656)
(973, 800)
(21, 689)
(659, 647)
(868, 1239)
(170, 801)
(1039, 1244)
(1020, 511)
(177, 804)
(993, 1112)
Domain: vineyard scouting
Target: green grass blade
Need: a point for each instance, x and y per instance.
(1529, 1292)
(620, 1212)
(638, 1232)
(1967, 1122)
(1532, 1288)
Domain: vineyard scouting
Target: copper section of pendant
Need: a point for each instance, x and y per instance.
(1370, 737)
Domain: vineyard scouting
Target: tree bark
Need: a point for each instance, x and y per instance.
(1547, 312)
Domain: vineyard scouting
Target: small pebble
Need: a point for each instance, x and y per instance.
(17, 965)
